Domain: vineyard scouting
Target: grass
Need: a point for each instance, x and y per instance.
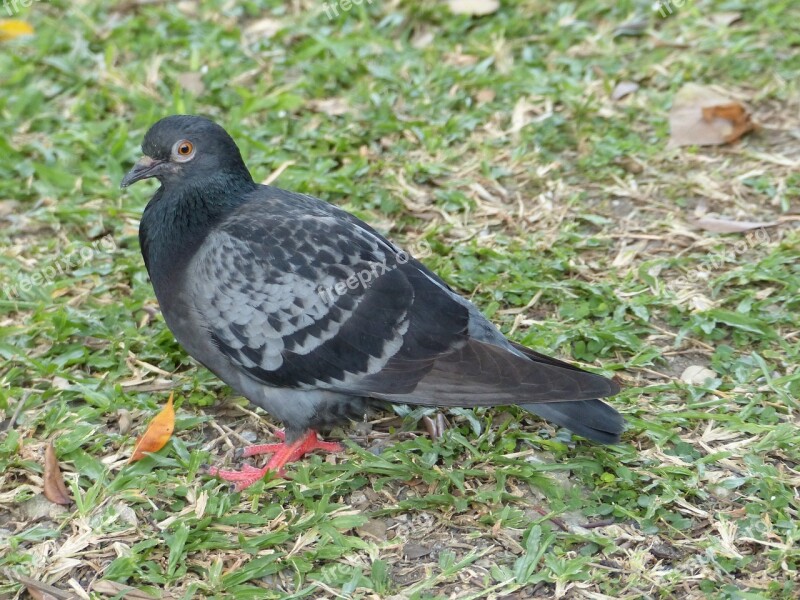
(491, 145)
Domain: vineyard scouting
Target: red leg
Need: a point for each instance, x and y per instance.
(281, 455)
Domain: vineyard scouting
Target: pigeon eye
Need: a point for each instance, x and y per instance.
(183, 150)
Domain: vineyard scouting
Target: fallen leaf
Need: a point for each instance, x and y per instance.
(157, 434)
(374, 528)
(54, 488)
(622, 89)
(39, 507)
(13, 28)
(725, 19)
(717, 225)
(124, 421)
(414, 550)
(435, 428)
(474, 8)
(126, 514)
(697, 375)
(705, 116)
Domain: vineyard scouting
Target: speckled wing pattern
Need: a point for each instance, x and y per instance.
(299, 294)
(300, 297)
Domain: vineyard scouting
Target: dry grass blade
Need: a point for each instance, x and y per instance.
(39, 590)
(118, 590)
(717, 225)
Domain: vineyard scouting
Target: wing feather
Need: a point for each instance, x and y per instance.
(299, 294)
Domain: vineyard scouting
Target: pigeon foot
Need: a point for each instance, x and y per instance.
(282, 454)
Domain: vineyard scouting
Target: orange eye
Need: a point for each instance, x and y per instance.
(183, 151)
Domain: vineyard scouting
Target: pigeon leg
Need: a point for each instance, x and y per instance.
(282, 454)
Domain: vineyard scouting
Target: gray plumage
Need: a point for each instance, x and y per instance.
(311, 314)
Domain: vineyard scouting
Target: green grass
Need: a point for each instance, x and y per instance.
(561, 213)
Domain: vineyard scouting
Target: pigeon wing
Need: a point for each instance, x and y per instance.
(302, 295)
(303, 300)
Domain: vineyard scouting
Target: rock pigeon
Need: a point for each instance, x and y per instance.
(313, 315)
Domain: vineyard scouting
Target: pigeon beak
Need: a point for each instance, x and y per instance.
(145, 168)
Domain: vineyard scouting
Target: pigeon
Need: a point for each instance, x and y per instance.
(314, 316)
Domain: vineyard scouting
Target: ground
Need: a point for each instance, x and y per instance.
(490, 146)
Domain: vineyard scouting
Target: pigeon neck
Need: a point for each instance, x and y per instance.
(176, 222)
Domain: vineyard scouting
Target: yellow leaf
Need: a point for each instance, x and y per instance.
(158, 433)
(12, 28)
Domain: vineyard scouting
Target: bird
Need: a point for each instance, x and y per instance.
(314, 316)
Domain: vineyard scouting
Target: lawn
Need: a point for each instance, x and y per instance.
(495, 148)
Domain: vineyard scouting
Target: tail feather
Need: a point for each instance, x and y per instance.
(593, 419)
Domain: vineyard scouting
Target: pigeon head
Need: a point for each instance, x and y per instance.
(186, 150)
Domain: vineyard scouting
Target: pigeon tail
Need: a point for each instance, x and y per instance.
(593, 419)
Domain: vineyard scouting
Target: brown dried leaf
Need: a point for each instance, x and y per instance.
(54, 488)
(717, 225)
(414, 550)
(704, 116)
(374, 528)
(157, 434)
(124, 421)
(435, 428)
